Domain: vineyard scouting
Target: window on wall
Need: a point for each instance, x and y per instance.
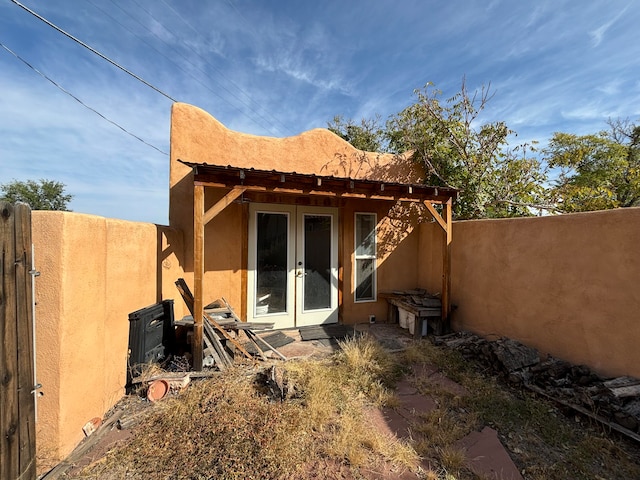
(365, 257)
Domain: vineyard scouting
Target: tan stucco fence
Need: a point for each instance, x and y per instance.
(567, 285)
(93, 272)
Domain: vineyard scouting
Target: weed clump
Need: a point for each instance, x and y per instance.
(226, 427)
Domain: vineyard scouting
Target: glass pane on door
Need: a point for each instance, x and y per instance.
(317, 262)
(272, 247)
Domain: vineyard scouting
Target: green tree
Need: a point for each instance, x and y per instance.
(598, 171)
(40, 195)
(368, 135)
(457, 150)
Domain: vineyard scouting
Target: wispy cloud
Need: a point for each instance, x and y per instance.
(597, 35)
(279, 68)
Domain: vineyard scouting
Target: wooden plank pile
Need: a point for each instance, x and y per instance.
(614, 402)
(221, 333)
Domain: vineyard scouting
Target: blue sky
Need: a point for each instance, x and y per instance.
(278, 68)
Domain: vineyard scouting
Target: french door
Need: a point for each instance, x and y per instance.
(292, 265)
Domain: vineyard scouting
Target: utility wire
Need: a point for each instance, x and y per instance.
(93, 50)
(186, 22)
(78, 100)
(285, 128)
(269, 122)
(265, 125)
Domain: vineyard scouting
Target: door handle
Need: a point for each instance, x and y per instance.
(301, 274)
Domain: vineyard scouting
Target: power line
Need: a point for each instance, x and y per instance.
(78, 100)
(232, 94)
(287, 129)
(265, 125)
(93, 50)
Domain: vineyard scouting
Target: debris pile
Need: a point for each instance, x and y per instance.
(614, 402)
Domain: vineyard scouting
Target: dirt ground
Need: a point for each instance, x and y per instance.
(515, 448)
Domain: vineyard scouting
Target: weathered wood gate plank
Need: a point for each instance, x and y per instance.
(17, 408)
(9, 444)
(24, 316)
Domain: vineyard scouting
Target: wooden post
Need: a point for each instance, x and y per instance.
(17, 408)
(24, 317)
(446, 266)
(9, 441)
(198, 274)
(244, 262)
(340, 220)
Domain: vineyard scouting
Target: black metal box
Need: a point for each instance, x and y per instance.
(151, 336)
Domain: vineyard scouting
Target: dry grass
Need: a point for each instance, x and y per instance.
(543, 442)
(217, 428)
(226, 427)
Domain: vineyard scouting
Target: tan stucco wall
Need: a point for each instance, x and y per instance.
(94, 272)
(567, 285)
(198, 137)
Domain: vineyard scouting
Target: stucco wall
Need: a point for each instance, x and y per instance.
(94, 272)
(567, 285)
(198, 137)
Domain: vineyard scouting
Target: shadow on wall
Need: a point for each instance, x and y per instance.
(401, 218)
(181, 217)
(393, 168)
(170, 255)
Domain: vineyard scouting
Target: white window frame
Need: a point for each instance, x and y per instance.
(357, 257)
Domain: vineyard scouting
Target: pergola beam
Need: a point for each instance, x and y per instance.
(223, 203)
(436, 216)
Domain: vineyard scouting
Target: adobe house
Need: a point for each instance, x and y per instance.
(305, 230)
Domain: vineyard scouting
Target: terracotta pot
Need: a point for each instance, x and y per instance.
(92, 425)
(157, 390)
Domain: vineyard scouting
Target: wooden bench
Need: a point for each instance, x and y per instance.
(431, 315)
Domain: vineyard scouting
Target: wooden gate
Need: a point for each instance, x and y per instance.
(17, 407)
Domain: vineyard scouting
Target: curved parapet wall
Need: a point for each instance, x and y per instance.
(198, 137)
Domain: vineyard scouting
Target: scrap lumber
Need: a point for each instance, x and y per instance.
(215, 344)
(238, 345)
(251, 334)
(273, 349)
(83, 447)
(170, 376)
(228, 323)
(614, 403)
(623, 387)
(216, 350)
(603, 421)
(187, 296)
(253, 342)
(228, 307)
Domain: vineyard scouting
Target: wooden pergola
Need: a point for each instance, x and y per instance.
(239, 181)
